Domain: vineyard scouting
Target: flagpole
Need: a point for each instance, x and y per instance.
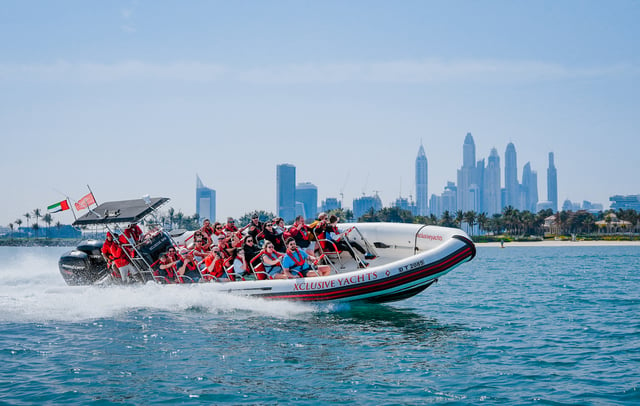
(71, 207)
(94, 196)
(69, 203)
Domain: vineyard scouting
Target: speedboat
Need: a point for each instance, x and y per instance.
(407, 258)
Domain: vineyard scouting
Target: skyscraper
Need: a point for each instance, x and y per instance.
(205, 201)
(552, 184)
(364, 204)
(422, 182)
(511, 185)
(307, 194)
(492, 203)
(466, 199)
(330, 203)
(529, 188)
(286, 191)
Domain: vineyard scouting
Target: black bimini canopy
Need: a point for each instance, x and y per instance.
(123, 211)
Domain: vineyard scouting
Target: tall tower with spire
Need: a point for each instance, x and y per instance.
(552, 184)
(492, 203)
(466, 194)
(511, 185)
(422, 182)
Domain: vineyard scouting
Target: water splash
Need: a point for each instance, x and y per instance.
(31, 289)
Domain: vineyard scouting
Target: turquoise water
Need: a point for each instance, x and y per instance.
(542, 325)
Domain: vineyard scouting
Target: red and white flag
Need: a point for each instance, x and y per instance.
(85, 202)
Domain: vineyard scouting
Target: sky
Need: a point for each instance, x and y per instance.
(137, 97)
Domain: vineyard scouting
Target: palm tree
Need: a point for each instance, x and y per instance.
(171, 217)
(28, 217)
(446, 220)
(58, 227)
(48, 220)
(470, 218)
(35, 227)
(37, 215)
(458, 220)
(11, 228)
(179, 219)
(483, 221)
(19, 223)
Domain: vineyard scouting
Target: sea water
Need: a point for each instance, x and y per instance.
(520, 325)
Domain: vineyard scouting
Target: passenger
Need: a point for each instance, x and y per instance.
(189, 268)
(319, 227)
(206, 228)
(226, 249)
(255, 228)
(121, 258)
(295, 262)
(251, 252)
(166, 269)
(173, 255)
(270, 235)
(236, 240)
(302, 234)
(230, 227)
(133, 233)
(240, 269)
(271, 262)
(218, 233)
(106, 249)
(199, 235)
(214, 266)
(199, 251)
(333, 235)
(279, 228)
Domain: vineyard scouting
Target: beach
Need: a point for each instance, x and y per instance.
(551, 243)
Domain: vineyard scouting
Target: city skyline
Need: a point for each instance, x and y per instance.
(134, 98)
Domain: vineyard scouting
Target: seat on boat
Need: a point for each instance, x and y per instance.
(330, 252)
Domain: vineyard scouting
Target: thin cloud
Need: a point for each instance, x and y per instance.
(127, 16)
(411, 72)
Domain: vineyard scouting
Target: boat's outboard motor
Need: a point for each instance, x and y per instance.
(84, 265)
(152, 248)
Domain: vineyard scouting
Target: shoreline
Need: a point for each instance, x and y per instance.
(593, 243)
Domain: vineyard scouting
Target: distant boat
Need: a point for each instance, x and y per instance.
(408, 259)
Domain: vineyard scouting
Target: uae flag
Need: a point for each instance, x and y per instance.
(60, 206)
(85, 202)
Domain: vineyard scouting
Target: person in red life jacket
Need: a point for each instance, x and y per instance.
(106, 248)
(255, 229)
(236, 240)
(218, 233)
(206, 228)
(225, 247)
(214, 266)
(173, 255)
(107, 255)
(230, 227)
(271, 262)
(302, 234)
(199, 252)
(121, 258)
(296, 262)
(188, 269)
(133, 233)
(319, 227)
(165, 269)
(276, 239)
